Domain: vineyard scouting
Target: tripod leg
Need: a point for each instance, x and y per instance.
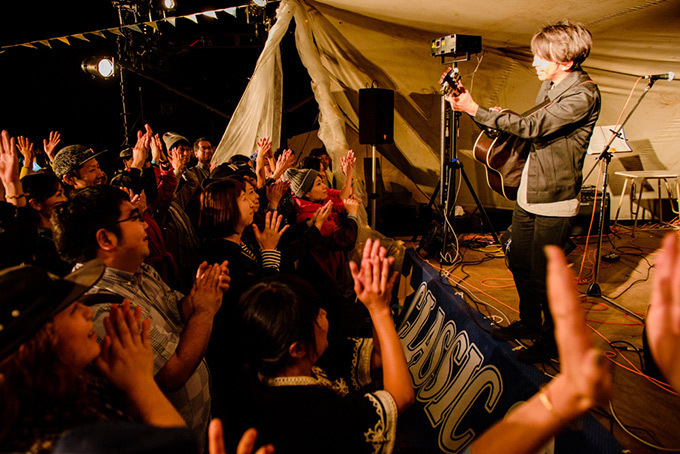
(479, 204)
(430, 204)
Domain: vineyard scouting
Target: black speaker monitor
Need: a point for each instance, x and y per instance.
(376, 116)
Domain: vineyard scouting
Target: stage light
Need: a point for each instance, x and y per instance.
(98, 67)
(169, 5)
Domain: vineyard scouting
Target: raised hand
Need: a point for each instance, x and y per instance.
(224, 278)
(373, 283)
(50, 146)
(27, 151)
(245, 445)
(352, 204)
(275, 192)
(347, 163)
(206, 294)
(663, 316)
(264, 147)
(140, 151)
(373, 286)
(126, 358)
(138, 200)
(286, 161)
(9, 162)
(584, 372)
(321, 215)
(175, 158)
(271, 234)
(156, 147)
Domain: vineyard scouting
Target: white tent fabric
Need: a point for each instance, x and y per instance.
(388, 41)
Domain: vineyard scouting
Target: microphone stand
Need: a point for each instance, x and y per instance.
(606, 156)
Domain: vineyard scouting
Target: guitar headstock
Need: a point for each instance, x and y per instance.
(450, 82)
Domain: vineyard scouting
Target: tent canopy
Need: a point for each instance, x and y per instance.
(387, 42)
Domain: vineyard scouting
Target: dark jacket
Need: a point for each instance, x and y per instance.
(559, 134)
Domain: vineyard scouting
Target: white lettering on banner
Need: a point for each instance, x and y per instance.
(446, 369)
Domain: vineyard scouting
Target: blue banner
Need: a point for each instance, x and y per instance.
(464, 380)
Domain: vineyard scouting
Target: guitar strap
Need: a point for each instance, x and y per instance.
(548, 101)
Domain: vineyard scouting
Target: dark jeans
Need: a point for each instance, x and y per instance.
(530, 233)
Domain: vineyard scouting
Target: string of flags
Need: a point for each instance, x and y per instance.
(118, 30)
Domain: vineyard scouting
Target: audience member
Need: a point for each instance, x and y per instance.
(44, 191)
(78, 168)
(340, 229)
(226, 212)
(47, 348)
(326, 165)
(203, 151)
(285, 331)
(100, 222)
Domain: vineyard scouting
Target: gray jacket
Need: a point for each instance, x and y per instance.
(559, 134)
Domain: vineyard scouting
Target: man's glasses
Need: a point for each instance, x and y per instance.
(135, 216)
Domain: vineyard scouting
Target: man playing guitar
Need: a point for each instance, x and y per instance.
(548, 195)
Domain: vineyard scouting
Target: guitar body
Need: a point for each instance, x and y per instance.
(504, 156)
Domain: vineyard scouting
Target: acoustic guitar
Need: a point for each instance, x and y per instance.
(502, 154)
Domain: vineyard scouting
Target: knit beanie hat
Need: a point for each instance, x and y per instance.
(172, 139)
(301, 180)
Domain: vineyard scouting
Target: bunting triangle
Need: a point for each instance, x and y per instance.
(99, 33)
(212, 14)
(46, 42)
(134, 27)
(115, 31)
(192, 18)
(171, 20)
(81, 37)
(231, 11)
(64, 39)
(28, 45)
(153, 25)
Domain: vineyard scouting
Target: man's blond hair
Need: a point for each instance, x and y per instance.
(563, 42)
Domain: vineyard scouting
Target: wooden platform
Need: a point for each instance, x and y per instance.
(642, 406)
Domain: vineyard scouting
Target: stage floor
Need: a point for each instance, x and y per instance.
(642, 406)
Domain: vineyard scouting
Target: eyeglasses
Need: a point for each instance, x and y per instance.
(136, 216)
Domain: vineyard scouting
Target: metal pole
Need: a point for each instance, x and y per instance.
(374, 189)
(121, 80)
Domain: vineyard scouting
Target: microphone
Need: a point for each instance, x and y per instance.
(670, 75)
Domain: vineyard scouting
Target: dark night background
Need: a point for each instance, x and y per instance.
(44, 89)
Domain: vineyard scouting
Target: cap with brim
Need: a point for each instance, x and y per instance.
(71, 158)
(30, 297)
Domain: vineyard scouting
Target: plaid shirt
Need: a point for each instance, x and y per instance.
(160, 303)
